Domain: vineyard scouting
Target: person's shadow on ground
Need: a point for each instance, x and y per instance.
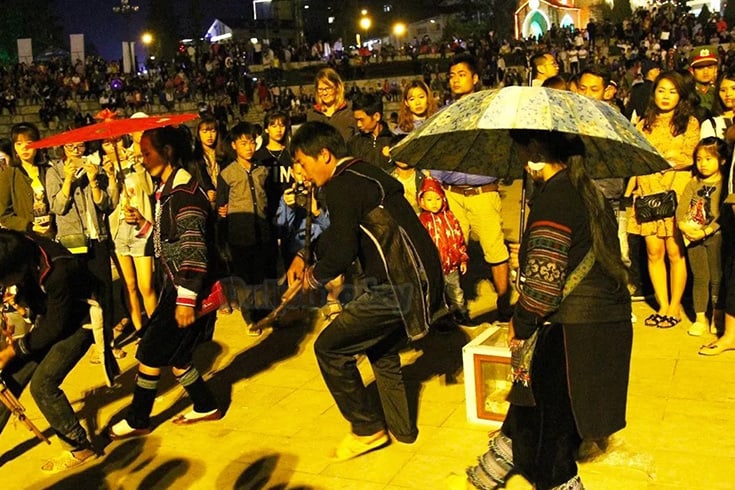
(282, 342)
(441, 355)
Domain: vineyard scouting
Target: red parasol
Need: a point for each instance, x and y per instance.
(109, 127)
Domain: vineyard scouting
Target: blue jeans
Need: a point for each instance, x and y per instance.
(45, 374)
(453, 291)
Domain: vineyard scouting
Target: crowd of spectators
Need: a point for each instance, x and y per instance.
(248, 176)
(219, 76)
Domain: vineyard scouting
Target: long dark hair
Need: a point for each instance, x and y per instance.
(718, 108)
(278, 115)
(553, 146)
(30, 131)
(17, 254)
(209, 120)
(683, 110)
(718, 148)
(175, 139)
(405, 117)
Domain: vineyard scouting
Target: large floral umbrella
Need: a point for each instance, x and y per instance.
(111, 127)
(472, 135)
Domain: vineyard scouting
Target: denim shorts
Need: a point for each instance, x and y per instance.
(128, 243)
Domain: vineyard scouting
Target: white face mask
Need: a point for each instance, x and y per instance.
(536, 166)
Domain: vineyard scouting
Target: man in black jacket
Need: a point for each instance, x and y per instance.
(51, 290)
(371, 144)
(370, 221)
(641, 92)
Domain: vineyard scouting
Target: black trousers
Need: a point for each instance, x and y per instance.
(164, 343)
(545, 437)
(370, 324)
(256, 266)
(97, 261)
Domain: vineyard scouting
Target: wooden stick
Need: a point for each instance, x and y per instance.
(287, 297)
(17, 409)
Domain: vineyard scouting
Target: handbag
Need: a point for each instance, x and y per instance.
(655, 206)
(76, 243)
(522, 351)
(216, 298)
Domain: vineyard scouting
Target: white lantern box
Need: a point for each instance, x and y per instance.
(487, 380)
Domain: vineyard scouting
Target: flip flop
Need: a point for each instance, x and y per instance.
(351, 447)
(713, 349)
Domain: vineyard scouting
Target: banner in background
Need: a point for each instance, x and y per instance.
(25, 51)
(128, 56)
(76, 41)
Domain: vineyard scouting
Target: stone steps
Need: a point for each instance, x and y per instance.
(30, 112)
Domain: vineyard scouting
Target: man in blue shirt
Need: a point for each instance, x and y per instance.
(475, 199)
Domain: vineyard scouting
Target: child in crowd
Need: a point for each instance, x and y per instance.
(290, 223)
(444, 229)
(243, 229)
(411, 178)
(274, 156)
(290, 220)
(698, 219)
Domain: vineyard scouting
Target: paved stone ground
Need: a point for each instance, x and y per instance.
(281, 422)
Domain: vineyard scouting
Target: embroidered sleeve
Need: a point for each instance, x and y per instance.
(543, 275)
(191, 224)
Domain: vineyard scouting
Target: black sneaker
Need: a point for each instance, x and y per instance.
(463, 319)
(636, 294)
(446, 327)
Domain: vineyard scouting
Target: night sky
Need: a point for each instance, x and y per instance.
(106, 29)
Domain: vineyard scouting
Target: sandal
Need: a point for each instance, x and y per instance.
(117, 353)
(69, 460)
(668, 322)
(653, 320)
(714, 349)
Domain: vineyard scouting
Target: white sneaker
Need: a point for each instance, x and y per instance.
(122, 430)
(697, 329)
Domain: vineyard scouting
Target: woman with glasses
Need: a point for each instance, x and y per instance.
(23, 196)
(330, 105)
(81, 194)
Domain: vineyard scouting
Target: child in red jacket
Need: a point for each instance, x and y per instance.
(444, 229)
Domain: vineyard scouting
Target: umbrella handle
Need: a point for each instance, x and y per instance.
(120, 172)
(521, 226)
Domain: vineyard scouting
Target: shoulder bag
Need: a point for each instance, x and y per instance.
(521, 351)
(655, 206)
